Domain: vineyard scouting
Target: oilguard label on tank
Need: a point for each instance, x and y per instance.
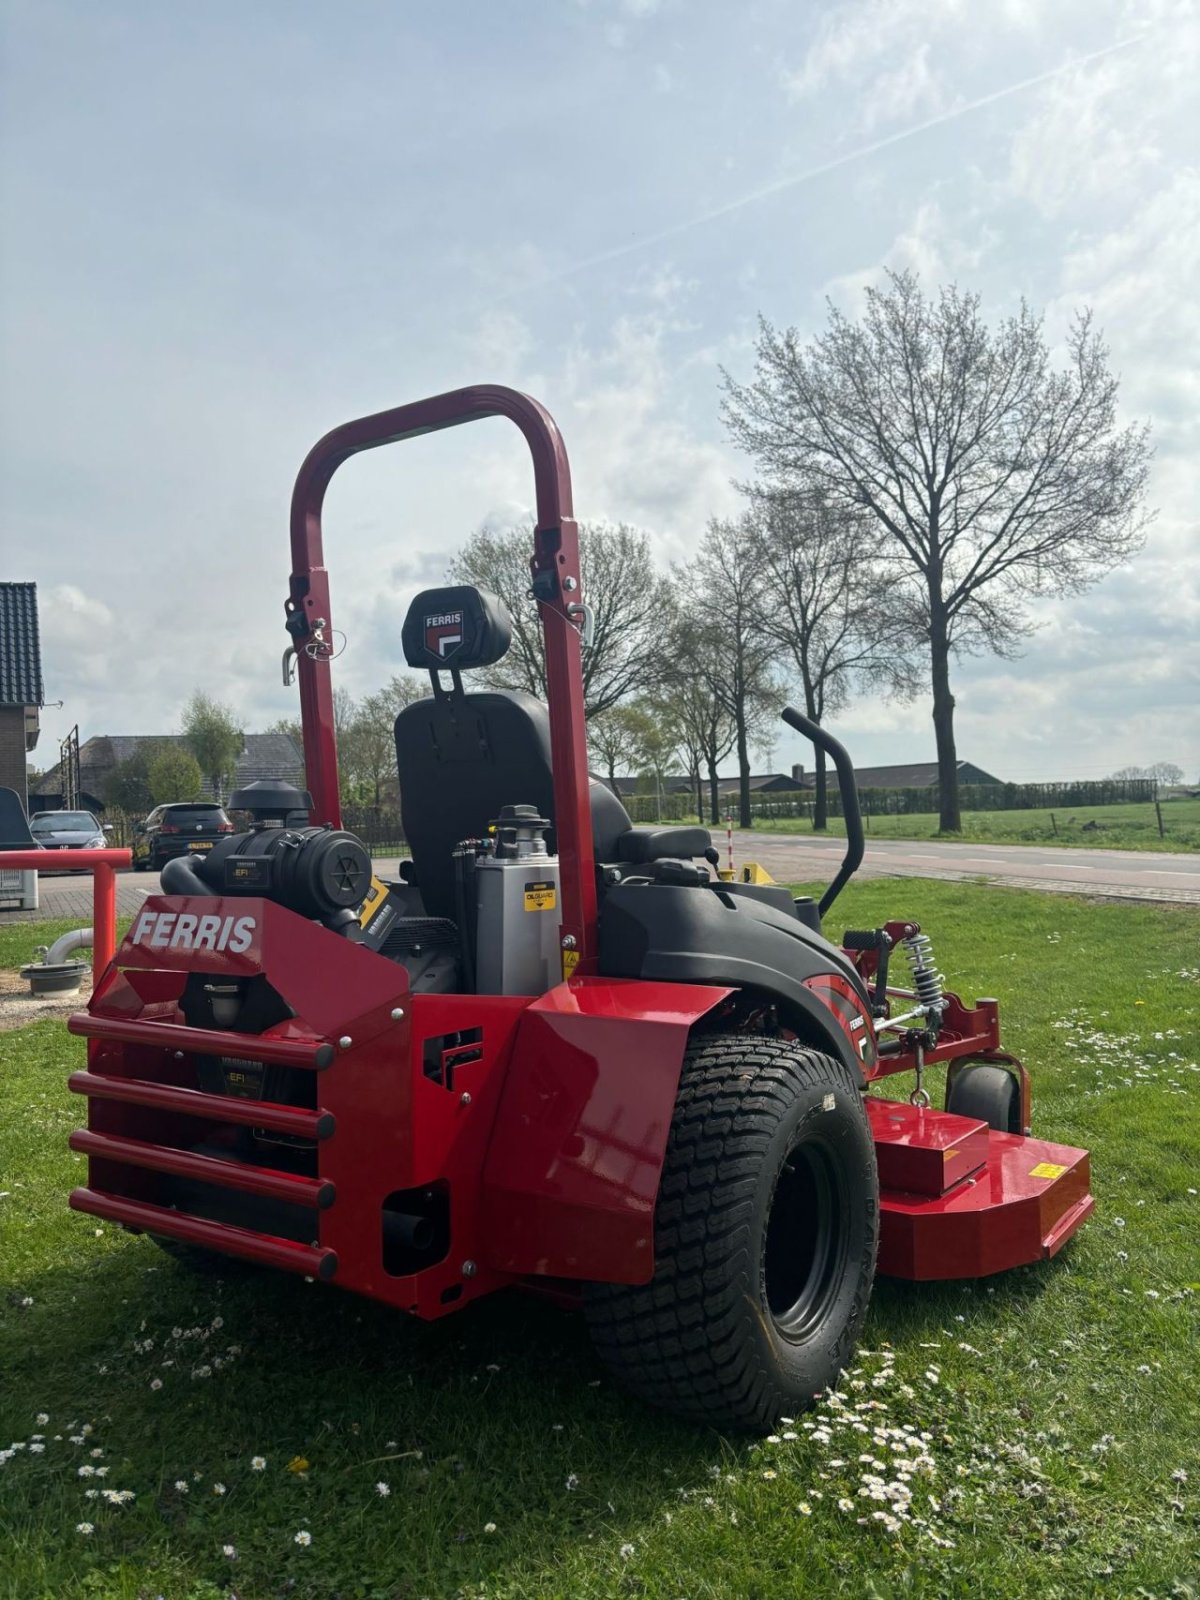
(540, 897)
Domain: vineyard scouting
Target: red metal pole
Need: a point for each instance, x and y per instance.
(102, 865)
(104, 918)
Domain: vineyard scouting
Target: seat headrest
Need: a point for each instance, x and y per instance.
(458, 627)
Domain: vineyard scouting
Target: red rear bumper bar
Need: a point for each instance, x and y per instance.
(216, 1108)
(289, 1186)
(312, 1054)
(310, 1260)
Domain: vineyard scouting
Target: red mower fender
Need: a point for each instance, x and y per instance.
(573, 1168)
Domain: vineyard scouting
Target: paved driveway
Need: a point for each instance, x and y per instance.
(1114, 874)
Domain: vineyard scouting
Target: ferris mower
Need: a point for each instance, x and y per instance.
(559, 1053)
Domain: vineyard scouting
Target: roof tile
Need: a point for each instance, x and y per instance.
(20, 647)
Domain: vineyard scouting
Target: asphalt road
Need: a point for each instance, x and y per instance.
(1111, 874)
(1115, 874)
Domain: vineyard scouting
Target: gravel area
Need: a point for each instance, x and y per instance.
(18, 1006)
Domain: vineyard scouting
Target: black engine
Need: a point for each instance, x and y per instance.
(323, 873)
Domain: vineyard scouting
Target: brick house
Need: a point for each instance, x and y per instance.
(21, 692)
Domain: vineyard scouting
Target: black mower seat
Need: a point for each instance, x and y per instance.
(460, 757)
(641, 845)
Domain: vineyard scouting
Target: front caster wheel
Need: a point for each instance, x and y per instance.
(765, 1237)
(987, 1093)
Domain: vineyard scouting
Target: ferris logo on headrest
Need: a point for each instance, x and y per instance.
(443, 633)
(171, 930)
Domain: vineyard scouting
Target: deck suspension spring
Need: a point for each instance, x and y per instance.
(926, 979)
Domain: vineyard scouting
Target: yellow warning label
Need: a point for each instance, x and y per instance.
(540, 897)
(950, 1154)
(1046, 1169)
(374, 898)
(570, 962)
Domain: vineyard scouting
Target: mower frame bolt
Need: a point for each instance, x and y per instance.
(345, 1042)
(469, 1269)
(178, 1055)
(570, 585)
(397, 1013)
(464, 1100)
(568, 942)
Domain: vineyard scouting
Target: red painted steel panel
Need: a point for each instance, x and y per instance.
(922, 1151)
(573, 1170)
(1028, 1199)
(846, 1009)
(328, 982)
(271, 1252)
(399, 1130)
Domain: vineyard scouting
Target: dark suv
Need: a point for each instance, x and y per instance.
(186, 828)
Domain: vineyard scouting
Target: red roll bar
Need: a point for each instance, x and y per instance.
(555, 568)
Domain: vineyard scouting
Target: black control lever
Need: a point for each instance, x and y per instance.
(873, 939)
(849, 793)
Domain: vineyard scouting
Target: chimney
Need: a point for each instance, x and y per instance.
(797, 774)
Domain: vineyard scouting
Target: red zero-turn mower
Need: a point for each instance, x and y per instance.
(560, 1053)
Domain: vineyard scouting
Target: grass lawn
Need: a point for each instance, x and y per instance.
(1124, 827)
(1057, 1406)
(18, 940)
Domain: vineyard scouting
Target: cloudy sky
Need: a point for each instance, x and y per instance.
(227, 228)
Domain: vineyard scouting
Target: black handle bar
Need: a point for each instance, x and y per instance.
(849, 793)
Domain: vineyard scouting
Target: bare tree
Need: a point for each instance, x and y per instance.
(706, 732)
(363, 729)
(1166, 773)
(991, 477)
(723, 593)
(631, 604)
(824, 605)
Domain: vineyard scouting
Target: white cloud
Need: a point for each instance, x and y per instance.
(1086, 140)
(879, 51)
(939, 244)
(633, 456)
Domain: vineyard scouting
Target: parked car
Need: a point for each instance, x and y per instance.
(67, 830)
(182, 828)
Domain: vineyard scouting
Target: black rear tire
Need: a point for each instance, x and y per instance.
(987, 1093)
(766, 1231)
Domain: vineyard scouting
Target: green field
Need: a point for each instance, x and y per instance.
(1059, 1402)
(1123, 827)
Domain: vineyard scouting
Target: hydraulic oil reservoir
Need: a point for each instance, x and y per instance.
(517, 892)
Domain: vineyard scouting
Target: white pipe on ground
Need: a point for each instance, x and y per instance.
(77, 939)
